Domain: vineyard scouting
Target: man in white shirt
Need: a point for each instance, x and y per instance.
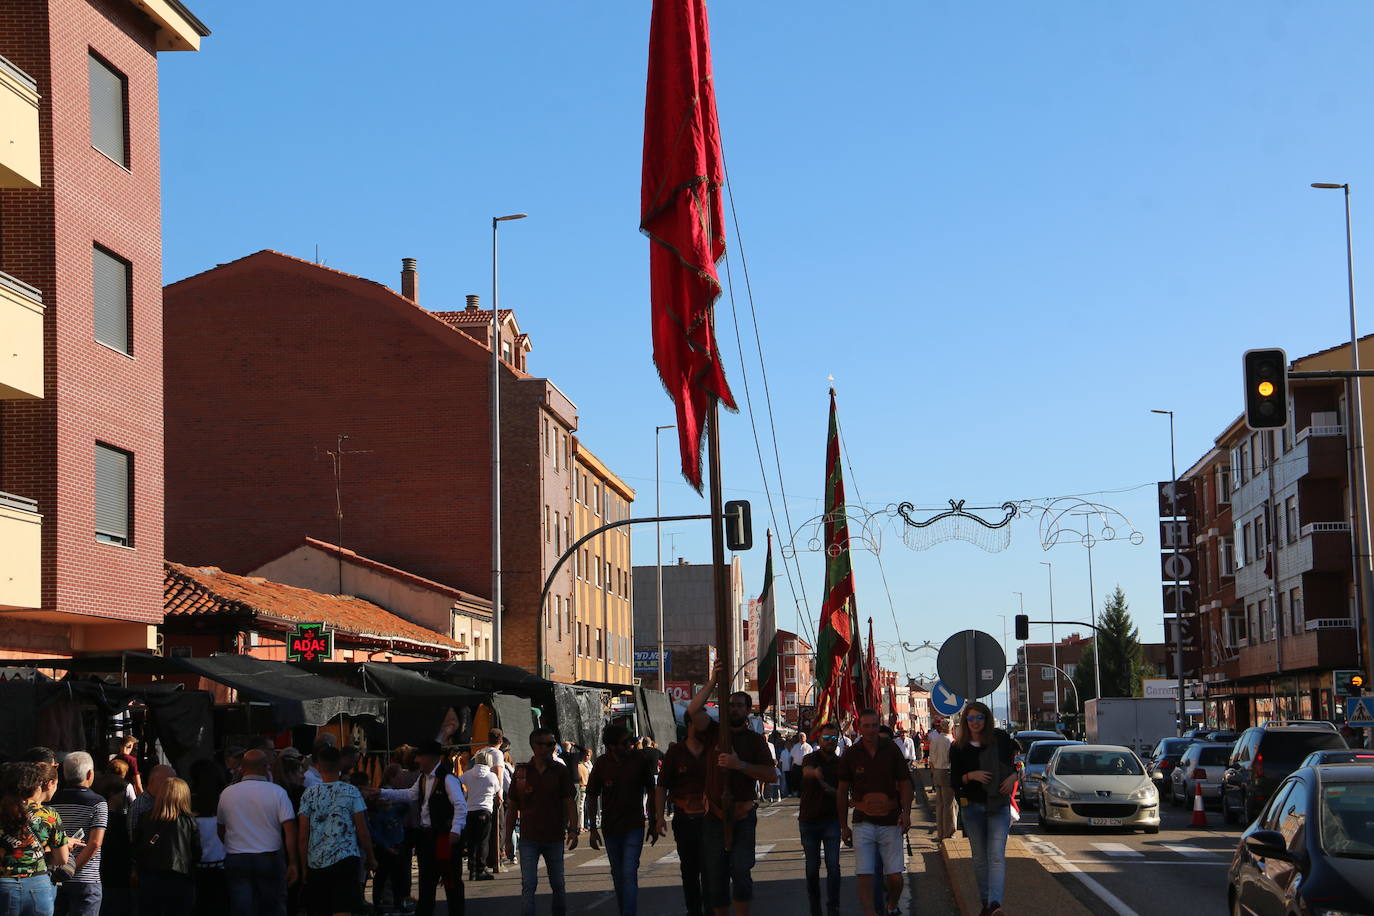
(907, 746)
(440, 812)
(484, 788)
(944, 791)
(254, 813)
(800, 749)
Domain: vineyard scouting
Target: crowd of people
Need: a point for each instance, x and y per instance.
(267, 832)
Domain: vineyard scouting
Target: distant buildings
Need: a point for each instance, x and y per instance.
(688, 618)
(304, 402)
(81, 383)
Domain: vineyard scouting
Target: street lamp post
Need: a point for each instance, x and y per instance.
(1054, 645)
(1178, 591)
(1359, 477)
(496, 450)
(658, 554)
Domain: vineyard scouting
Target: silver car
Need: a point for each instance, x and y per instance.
(1097, 785)
(1201, 764)
(1037, 756)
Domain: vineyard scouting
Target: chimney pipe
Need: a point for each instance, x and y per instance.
(410, 280)
(474, 302)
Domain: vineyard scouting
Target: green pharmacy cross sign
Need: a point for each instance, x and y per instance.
(311, 642)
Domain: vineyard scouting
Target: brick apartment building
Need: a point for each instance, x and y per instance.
(1034, 673)
(600, 627)
(1271, 518)
(81, 436)
(256, 419)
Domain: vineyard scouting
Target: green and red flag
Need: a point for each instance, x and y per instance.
(836, 634)
(768, 634)
(872, 685)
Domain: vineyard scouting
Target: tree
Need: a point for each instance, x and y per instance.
(1122, 657)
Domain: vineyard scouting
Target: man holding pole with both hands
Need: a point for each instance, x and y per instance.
(874, 772)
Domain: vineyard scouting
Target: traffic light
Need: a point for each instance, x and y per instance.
(1357, 685)
(739, 530)
(1266, 389)
(1023, 627)
(1349, 683)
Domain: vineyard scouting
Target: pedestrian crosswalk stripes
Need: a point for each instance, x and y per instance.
(1188, 850)
(1118, 849)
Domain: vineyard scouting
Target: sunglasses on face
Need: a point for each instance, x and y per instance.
(830, 737)
(976, 717)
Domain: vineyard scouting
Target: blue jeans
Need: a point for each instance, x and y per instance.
(31, 896)
(78, 898)
(987, 829)
(729, 876)
(257, 883)
(813, 837)
(530, 851)
(624, 850)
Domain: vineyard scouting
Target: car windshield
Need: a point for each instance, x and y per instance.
(1097, 763)
(1214, 756)
(1347, 819)
(1042, 751)
(1287, 749)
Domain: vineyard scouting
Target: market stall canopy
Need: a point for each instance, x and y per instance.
(297, 697)
(655, 714)
(419, 705)
(482, 675)
(514, 717)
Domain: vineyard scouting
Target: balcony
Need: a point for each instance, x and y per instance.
(19, 163)
(21, 339)
(1321, 547)
(21, 530)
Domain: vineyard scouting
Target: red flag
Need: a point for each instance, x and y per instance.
(680, 212)
(873, 690)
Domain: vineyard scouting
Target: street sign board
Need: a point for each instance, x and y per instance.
(1174, 534)
(1180, 594)
(1166, 501)
(943, 700)
(972, 663)
(1359, 712)
(1178, 567)
(680, 690)
(312, 642)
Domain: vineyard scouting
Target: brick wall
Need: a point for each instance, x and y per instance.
(46, 235)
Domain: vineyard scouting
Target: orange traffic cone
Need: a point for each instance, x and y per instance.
(1199, 812)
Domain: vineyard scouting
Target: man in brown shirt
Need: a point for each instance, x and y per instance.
(874, 779)
(621, 780)
(683, 779)
(542, 800)
(729, 876)
(817, 820)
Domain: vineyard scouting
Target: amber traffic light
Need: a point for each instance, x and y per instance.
(1266, 389)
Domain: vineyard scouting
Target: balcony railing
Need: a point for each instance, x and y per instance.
(1330, 623)
(21, 532)
(19, 160)
(1325, 527)
(21, 331)
(1315, 431)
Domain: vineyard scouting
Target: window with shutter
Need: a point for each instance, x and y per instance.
(110, 285)
(109, 111)
(114, 474)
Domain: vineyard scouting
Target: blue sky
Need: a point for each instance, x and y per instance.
(1008, 230)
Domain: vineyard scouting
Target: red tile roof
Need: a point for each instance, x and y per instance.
(350, 556)
(206, 591)
(470, 316)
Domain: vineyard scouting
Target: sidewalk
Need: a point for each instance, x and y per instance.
(1033, 887)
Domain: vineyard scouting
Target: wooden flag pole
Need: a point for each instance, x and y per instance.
(725, 641)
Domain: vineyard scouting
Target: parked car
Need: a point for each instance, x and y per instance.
(1097, 785)
(1311, 851)
(1201, 764)
(1197, 734)
(1224, 736)
(1165, 757)
(1028, 737)
(1262, 758)
(1306, 723)
(1354, 755)
(1036, 756)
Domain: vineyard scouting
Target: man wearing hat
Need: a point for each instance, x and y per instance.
(443, 809)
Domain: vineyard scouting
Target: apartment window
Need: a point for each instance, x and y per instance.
(548, 446)
(558, 616)
(548, 535)
(600, 573)
(114, 478)
(1245, 543)
(567, 530)
(1070, 669)
(577, 561)
(1256, 455)
(1290, 511)
(1047, 698)
(1261, 542)
(596, 498)
(110, 276)
(1228, 557)
(1295, 609)
(1266, 623)
(586, 564)
(1046, 673)
(600, 653)
(579, 639)
(1223, 485)
(109, 97)
(557, 532)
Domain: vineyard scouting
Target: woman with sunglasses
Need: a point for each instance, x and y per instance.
(982, 767)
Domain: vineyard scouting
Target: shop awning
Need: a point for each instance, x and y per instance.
(297, 697)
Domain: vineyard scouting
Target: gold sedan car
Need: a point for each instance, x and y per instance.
(1097, 785)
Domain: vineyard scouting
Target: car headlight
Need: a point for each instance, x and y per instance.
(1146, 794)
(1059, 790)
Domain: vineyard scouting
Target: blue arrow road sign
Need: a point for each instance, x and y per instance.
(945, 701)
(1359, 712)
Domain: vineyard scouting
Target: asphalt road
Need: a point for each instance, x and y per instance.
(1180, 869)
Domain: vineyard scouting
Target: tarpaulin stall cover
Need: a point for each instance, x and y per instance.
(579, 715)
(297, 697)
(656, 717)
(418, 704)
(513, 717)
(483, 675)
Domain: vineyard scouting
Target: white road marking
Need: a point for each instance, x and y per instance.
(1050, 851)
(1170, 862)
(1189, 850)
(761, 851)
(669, 859)
(603, 860)
(1119, 849)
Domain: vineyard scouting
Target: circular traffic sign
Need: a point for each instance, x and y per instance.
(945, 701)
(972, 663)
